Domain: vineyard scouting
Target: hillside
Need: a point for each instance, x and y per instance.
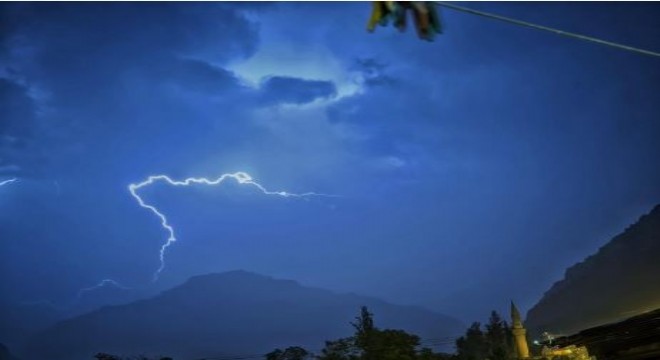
(20, 321)
(5, 354)
(229, 313)
(619, 281)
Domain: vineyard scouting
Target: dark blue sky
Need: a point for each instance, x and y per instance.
(471, 170)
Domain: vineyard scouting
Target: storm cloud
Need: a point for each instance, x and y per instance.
(461, 163)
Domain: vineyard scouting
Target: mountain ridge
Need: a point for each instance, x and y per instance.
(227, 313)
(619, 280)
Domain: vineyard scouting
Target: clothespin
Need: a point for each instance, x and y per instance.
(425, 16)
(377, 15)
(427, 20)
(434, 17)
(381, 12)
(399, 14)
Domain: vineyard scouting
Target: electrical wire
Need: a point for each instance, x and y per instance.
(548, 29)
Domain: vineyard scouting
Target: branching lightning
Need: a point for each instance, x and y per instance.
(8, 181)
(101, 284)
(79, 295)
(240, 177)
(81, 292)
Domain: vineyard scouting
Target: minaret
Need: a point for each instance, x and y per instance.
(519, 332)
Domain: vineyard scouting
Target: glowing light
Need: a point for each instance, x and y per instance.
(101, 284)
(240, 177)
(7, 182)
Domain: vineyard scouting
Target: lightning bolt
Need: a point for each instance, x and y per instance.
(42, 303)
(7, 182)
(241, 178)
(101, 284)
(79, 295)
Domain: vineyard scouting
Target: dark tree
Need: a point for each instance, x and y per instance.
(371, 343)
(392, 345)
(498, 338)
(473, 345)
(376, 344)
(291, 353)
(104, 356)
(365, 332)
(364, 328)
(364, 323)
(275, 354)
(341, 349)
(428, 354)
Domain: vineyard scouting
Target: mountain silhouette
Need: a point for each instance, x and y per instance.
(18, 322)
(619, 281)
(5, 354)
(224, 314)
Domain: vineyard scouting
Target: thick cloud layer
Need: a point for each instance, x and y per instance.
(461, 163)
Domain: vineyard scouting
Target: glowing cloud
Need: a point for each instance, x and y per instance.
(240, 177)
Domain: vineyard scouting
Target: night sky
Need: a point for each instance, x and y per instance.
(469, 171)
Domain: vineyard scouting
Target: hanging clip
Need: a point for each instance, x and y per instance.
(425, 16)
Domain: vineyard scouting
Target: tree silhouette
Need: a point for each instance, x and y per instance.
(473, 345)
(365, 333)
(340, 349)
(290, 353)
(391, 345)
(104, 356)
(369, 343)
(496, 343)
(498, 338)
(428, 354)
(364, 323)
